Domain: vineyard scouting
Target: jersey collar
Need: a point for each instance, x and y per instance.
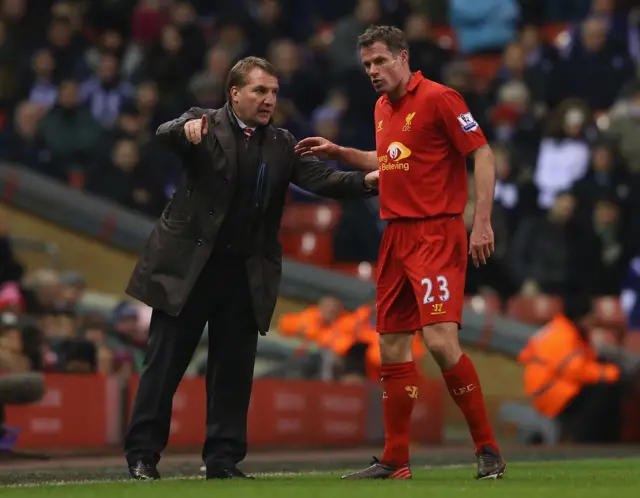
(415, 80)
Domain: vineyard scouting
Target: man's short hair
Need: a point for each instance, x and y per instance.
(391, 36)
(238, 74)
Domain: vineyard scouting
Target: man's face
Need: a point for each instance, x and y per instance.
(385, 69)
(255, 102)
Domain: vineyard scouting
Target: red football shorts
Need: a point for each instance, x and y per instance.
(422, 267)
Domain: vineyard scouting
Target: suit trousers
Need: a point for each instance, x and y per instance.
(221, 297)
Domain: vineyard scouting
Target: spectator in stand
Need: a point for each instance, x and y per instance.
(125, 179)
(630, 296)
(625, 128)
(596, 73)
(105, 93)
(604, 177)
(426, 55)
(612, 239)
(549, 254)
(563, 157)
(68, 133)
(484, 26)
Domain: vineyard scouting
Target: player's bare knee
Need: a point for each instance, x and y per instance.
(395, 348)
(441, 339)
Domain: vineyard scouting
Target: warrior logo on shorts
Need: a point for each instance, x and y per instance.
(467, 122)
(397, 151)
(413, 391)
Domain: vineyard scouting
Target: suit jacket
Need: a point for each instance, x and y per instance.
(184, 236)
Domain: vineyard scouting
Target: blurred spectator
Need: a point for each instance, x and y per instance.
(485, 26)
(604, 177)
(105, 93)
(111, 42)
(630, 295)
(514, 192)
(549, 254)
(596, 73)
(208, 85)
(41, 84)
(564, 151)
(22, 142)
(585, 395)
(625, 129)
(344, 53)
(12, 358)
(495, 274)
(10, 269)
(298, 84)
(426, 55)
(614, 245)
(68, 133)
(124, 179)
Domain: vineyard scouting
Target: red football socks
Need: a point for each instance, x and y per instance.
(400, 385)
(464, 387)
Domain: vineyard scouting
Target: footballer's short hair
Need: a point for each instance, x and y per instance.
(392, 37)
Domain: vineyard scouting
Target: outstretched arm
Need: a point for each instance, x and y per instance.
(172, 134)
(325, 149)
(313, 175)
(361, 159)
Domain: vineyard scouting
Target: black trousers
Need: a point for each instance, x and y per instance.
(221, 297)
(594, 416)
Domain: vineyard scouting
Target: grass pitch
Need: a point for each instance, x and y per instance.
(613, 478)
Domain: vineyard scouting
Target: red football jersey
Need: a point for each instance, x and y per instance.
(421, 142)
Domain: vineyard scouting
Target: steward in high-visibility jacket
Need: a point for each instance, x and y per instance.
(561, 367)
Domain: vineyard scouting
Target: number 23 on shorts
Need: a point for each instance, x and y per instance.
(436, 292)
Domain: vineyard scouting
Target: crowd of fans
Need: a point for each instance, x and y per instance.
(84, 84)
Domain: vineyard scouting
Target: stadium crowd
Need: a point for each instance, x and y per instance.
(84, 85)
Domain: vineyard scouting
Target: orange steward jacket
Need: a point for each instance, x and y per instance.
(558, 363)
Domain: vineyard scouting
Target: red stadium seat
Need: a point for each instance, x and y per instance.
(299, 217)
(486, 303)
(445, 36)
(484, 68)
(609, 311)
(534, 309)
(550, 32)
(308, 247)
(632, 341)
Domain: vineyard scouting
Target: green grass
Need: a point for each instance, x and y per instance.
(568, 479)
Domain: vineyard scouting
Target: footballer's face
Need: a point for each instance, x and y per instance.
(386, 69)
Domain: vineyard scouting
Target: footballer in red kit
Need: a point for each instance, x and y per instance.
(424, 133)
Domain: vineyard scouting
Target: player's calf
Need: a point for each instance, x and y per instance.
(380, 470)
(464, 387)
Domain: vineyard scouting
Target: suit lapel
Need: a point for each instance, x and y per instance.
(224, 135)
(272, 159)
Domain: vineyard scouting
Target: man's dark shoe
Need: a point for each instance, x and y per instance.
(144, 470)
(230, 473)
(380, 470)
(491, 465)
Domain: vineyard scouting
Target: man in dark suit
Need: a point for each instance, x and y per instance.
(214, 256)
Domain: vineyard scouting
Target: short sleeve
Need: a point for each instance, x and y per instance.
(460, 126)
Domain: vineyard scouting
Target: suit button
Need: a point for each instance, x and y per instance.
(189, 192)
(199, 242)
(228, 246)
(224, 180)
(211, 212)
